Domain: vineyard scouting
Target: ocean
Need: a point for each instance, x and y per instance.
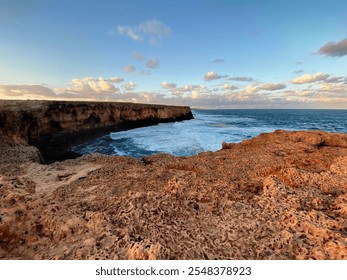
(209, 129)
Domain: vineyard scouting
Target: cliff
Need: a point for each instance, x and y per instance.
(52, 126)
(281, 195)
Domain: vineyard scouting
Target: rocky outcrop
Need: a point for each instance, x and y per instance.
(281, 195)
(51, 126)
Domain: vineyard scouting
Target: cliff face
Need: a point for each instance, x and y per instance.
(52, 126)
(281, 195)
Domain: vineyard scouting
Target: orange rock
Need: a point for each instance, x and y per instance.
(281, 195)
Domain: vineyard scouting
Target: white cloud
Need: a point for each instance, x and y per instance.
(89, 86)
(130, 32)
(153, 63)
(250, 89)
(154, 29)
(334, 49)
(167, 85)
(272, 86)
(104, 86)
(210, 76)
(116, 80)
(229, 87)
(129, 68)
(187, 88)
(130, 86)
(307, 78)
(195, 94)
(329, 93)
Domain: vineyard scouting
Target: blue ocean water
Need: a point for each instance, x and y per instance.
(209, 129)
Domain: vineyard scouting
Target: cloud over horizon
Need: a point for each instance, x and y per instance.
(229, 87)
(130, 86)
(308, 78)
(272, 86)
(26, 91)
(89, 86)
(167, 85)
(328, 91)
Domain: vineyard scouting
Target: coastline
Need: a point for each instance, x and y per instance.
(53, 126)
(280, 195)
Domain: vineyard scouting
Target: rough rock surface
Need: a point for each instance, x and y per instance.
(52, 126)
(281, 195)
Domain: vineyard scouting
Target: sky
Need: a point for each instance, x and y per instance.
(205, 54)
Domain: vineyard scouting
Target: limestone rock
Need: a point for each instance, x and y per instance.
(281, 195)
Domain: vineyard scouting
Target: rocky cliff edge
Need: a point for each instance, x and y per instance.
(281, 195)
(52, 126)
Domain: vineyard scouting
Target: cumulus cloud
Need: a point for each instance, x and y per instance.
(154, 29)
(210, 76)
(272, 86)
(130, 86)
(167, 85)
(218, 61)
(307, 78)
(89, 86)
(183, 91)
(327, 95)
(241, 79)
(251, 89)
(330, 92)
(195, 94)
(116, 80)
(153, 63)
(187, 88)
(138, 56)
(334, 49)
(129, 68)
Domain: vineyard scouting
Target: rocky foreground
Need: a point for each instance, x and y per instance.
(281, 195)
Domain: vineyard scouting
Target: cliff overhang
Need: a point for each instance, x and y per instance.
(53, 126)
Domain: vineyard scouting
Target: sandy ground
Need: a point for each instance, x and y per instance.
(281, 195)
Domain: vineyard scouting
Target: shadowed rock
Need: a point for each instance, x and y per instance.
(53, 126)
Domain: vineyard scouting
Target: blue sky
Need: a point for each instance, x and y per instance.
(213, 54)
